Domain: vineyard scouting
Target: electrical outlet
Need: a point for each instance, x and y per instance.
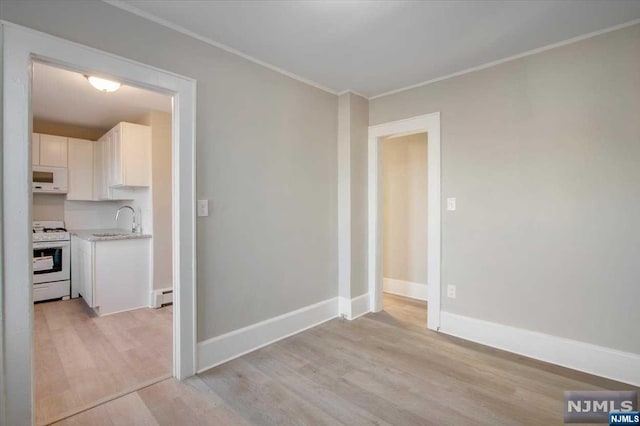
(451, 291)
(451, 204)
(203, 208)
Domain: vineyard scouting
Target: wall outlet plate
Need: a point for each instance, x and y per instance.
(451, 204)
(203, 208)
(451, 291)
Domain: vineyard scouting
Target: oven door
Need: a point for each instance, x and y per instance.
(51, 261)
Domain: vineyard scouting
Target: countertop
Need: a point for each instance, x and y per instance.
(88, 234)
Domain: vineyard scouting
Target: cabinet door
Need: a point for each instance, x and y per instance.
(135, 155)
(35, 149)
(107, 166)
(116, 156)
(53, 151)
(85, 260)
(76, 280)
(97, 169)
(80, 161)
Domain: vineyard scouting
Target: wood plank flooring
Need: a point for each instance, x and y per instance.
(384, 368)
(81, 359)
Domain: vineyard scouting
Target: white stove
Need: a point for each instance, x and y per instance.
(51, 261)
(49, 231)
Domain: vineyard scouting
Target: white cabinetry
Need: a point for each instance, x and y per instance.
(121, 159)
(129, 150)
(111, 276)
(53, 151)
(80, 168)
(100, 188)
(82, 270)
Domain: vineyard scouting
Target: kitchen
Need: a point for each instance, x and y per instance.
(102, 239)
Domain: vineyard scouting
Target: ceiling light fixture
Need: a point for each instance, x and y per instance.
(102, 84)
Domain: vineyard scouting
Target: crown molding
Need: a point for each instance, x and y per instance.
(132, 9)
(509, 58)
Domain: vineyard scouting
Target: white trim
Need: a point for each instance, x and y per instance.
(20, 46)
(359, 306)
(344, 307)
(409, 289)
(132, 9)
(429, 123)
(344, 92)
(508, 59)
(351, 309)
(604, 362)
(220, 349)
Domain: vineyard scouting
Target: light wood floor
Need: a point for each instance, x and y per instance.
(80, 358)
(383, 368)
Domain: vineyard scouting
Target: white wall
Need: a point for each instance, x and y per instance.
(266, 160)
(542, 156)
(353, 117)
(161, 197)
(404, 208)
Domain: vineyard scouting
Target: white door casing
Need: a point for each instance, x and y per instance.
(20, 47)
(430, 124)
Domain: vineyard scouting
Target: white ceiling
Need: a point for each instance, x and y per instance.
(372, 47)
(67, 97)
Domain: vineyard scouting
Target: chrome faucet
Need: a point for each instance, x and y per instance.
(136, 228)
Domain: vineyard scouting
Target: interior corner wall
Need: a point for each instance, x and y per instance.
(359, 142)
(353, 119)
(344, 196)
(161, 197)
(266, 160)
(542, 154)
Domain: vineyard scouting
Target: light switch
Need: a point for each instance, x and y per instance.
(203, 207)
(451, 204)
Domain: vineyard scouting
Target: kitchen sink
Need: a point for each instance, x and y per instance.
(110, 234)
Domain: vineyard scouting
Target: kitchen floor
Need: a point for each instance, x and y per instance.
(82, 359)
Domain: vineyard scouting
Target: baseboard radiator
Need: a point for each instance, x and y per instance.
(162, 297)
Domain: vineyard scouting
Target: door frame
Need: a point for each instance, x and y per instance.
(20, 47)
(430, 124)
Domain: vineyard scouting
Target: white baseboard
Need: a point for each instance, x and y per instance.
(226, 347)
(405, 288)
(605, 362)
(354, 308)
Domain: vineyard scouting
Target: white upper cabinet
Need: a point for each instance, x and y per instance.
(130, 153)
(100, 188)
(118, 160)
(80, 166)
(53, 151)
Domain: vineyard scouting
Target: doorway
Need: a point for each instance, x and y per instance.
(99, 330)
(21, 47)
(404, 229)
(430, 125)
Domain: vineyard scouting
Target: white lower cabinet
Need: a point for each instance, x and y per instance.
(111, 275)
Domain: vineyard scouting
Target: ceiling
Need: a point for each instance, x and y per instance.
(67, 97)
(372, 47)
